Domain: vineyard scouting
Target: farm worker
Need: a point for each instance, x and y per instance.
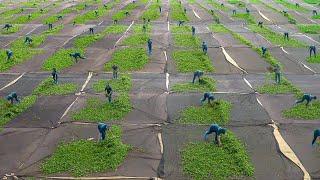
(212, 12)
(91, 30)
(215, 128)
(197, 74)
(217, 20)
(247, 10)
(285, 13)
(96, 13)
(102, 127)
(76, 55)
(222, 4)
(74, 23)
(277, 72)
(209, 96)
(54, 75)
(297, 5)
(115, 71)
(149, 46)
(314, 12)
(148, 20)
(307, 97)
(204, 47)
(185, 10)
(7, 26)
(316, 134)
(105, 6)
(50, 26)
(126, 13)
(9, 54)
(108, 90)
(234, 12)
(260, 24)
(286, 35)
(28, 40)
(160, 9)
(144, 20)
(312, 49)
(41, 10)
(115, 21)
(29, 16)
(180, 23)
(12, 96)
(22, 9)
(59, 17)
(264, 50)
(193, 30)
(85, 6)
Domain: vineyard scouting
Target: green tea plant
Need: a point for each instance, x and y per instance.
(177, 12)
(203, 160)
(285, 87)
(216, 112)
(276, 38)
(136, 40)
(217, 5)
(245, 16)
(48, 88)
(192, 60)
(128, 59)
(82, 157)
(97, 110)
(313, 59)
(309, 28)
(122, 84)
(152, 12)
(312, 112)
(116, 29)
(120, 15)
(25, 18)
(206, 84)
(186, 40)
(9, 112)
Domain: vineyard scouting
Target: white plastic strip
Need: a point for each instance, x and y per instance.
(168, 26)
(194, 12)
(12, 82)
(160, 142)
(124, 33)
(307, 67)
(86, 82)
(247, 82)
(68, 109)
(233, 62)
(264, 17)
(69, 40)
(32, 30)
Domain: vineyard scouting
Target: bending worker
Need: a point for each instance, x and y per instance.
(307, 97)
(209, 96)
(316, 134)
(12, 96)
(215, 128)
(102, 127)
(108, 90)
(76, 55)
(7, 26)
(28, 40)
(9, 54)
(197, 74)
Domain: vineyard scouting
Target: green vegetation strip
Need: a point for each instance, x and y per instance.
(217, 5)
(49, 88)
(82, 157)
(120, 15)
(285, 86)
(203, 160)
(22, 51)
(153, 12)
(290, 18)
(237, 2)
(291, 6)
(29, 17)
(276, 38)
(128, 59)
(309, 28)
(312, 112)
(217, 112)
(95, 14)
(12, 30)
(61, 59)
(177, 11)
(76, 9)
(312, 1)
(245, 16)
(122, 84)
(97, 110)
(316, 16)
(206, 84)
(9, 112)
(192, 60)
(313, 59)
